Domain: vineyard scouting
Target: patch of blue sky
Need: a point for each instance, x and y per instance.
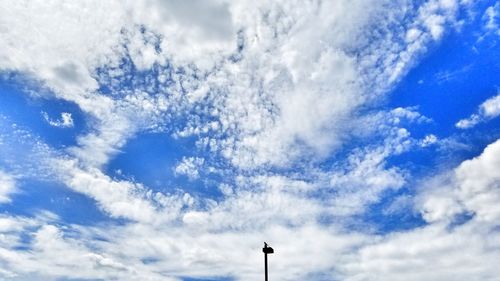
(78, 279)
(25, 239)
(34, 196)
(393, 212)
(425, 161)
(449, 84)
(420, 161)
(151, 159)
(27, 111)
(453, 79)
(126, 78)
(208, 279)
(150, 260)
(461, 219)
(324, 276)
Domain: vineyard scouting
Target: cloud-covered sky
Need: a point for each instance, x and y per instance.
(168, 139)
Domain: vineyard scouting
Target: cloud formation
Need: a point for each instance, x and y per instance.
(66, 120)
(279, 103)
(7, 186)
(489, 109)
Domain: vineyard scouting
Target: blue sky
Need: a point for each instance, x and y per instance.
(167, 140)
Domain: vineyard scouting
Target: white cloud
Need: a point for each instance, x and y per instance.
(301, 76)
(489, 109)
(428, 253)
(183, 239)
(491, 18)
(446, 248)
(298, 78)
(66, 120)
(360, 181)
(470, 122)
(189, 167)
(119, 199)
(64, 49)
(429, 140)
(224, 238)
(23, 152)
(203, 30)
(472, 188)
(54, 255)
(7, 186)
(478, 181)
(287, 97)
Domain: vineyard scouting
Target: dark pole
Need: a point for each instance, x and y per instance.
(265, 266)
(266, 250)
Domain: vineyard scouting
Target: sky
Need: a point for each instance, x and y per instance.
(168, 139)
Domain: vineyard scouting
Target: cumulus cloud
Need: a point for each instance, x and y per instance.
(471, 188)
(489, 109)
(429, 140)
(460, 208)
(189, 167)
(203, 30)
(429, 253)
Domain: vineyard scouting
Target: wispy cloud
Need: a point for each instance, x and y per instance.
(66, 120)
(489, 109)
(491, 18)
(7, 186)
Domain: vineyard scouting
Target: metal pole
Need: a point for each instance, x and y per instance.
(266, 250)
(265, 265)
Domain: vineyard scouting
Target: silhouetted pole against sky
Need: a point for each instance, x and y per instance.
(266, 250)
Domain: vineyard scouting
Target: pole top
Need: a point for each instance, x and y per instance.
(267, 249)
